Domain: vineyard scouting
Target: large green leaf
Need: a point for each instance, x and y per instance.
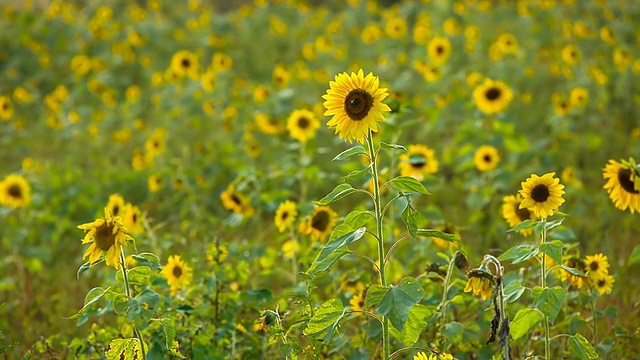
(336, 194)
(325, 320)
(86, 266)
(355, 174)
(333, 250)
(581, 348)
(553, 249)
(525, 319)
(519, 253)
(513, 291)
(140, 275)
(147, 259)
(549, 301)
(523, 225)
(393, 146)
(411, 217)
(573, 271)
(417, 321)
(408, 184)
(375, 293)
(356, 150)
(91, 298)
(124, 349)
(398, 300)
(357, 219)
(454, 332)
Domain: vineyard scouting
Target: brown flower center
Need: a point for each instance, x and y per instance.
(15, 191)
(594, 266)
(104, 236)
(177, 271)
(115, 211)
(493, 93)
(320, 221)
(523, 214)
(303, 123)
(357, 104)
(439, 50)
(185, 63)
(624, 178)
(5, 106)
(487, 158)
(602, 283)
(236, 199)
(284, 215)
(540, 193)
(134, 218)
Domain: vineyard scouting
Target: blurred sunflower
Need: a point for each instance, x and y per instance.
(155, 144)
(578, 97)
(508, 43)
(289, 248)
(492, 97)
(268, 124)
(570, 54)
(154, 182)
(439, 50)
(115, 205)
(542, 194)
(355, 104)
(15, 191)
(221, 62)
(514, 215)
(177, 273)
(235, 201)
(603, 284)
(208, 81)
(597, 266)
(424, 356)
(486, 158)
(185, 63)
(357, 302)
(561, 105)
(302, 125)
(132, 219)
(260, 94)
(320, 223)
(418, 161)
(6, 109)
(480, 282)
(623, 184)
(396, 27)
(106, 235)
(280, 76)
(286, 215)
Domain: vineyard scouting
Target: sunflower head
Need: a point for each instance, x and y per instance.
(603, 284)
(106, 235)
(542, 194)
(486, 158)
(514, 215)
(286, 215)
(623, 184)
(320, 223)
(236, 201)
(177, 273)
(418, 161)
(15, 191)
(492, 97)
(480, 282)
(302, 125)
(597, 266)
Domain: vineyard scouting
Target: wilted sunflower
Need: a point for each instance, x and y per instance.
(542, 195)
(514, 215)
(439, 50)
(597, 266)
(302, 125)
(418, 161)
(185, 63)
(486, 158)
(320, 224)
(132, 219)
(480, 282)
(355, 104)
(15, 191)
(235, 201)
(115, 205)
(286, 215)
(603, 284)
(177, 273)
(492, 97)
(106, 235)
(623, 184)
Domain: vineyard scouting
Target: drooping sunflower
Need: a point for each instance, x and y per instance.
(439, 50)
(236, 201)
(480, 282)
(603, 284)
(486, 158)
(320, 223)
(302, 125)
(106, 235)
(542, 194)
(492, 97)
(15, 191)
(185, 63)
(597, 266)
(514, 215)
(6, 109)
(116, 205)
(419, 160)
(177, 273)
(355, 104)
(286, 215)
(623, 184)
(132, 219)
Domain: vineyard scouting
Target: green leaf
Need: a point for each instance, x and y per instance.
(519, 253)
(635, 256)
(356, 150)
(408, 184)
(357, 219)
(525, 319)
(338, 193)
(523, 225)
(86, 266)
(325, 320)
(513, 291)
(453, 332)
(124, 349)
(573, 271)
(333, 250)
(437, 234)
(410, 217)
(549, 301)
(169, 329)
(355, 174)
(375, 293)
(147, 259)
(149, 297)
(553, 249)
(417, 321)
(393, 146)
(92, 297)
(137, 276)
(4, 348)
(398, 300)
(553, 224)
(581, 348)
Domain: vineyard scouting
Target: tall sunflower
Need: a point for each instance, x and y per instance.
(542, 194)
(15, 191)
(302, 125)
(418, 161)
(286, 215)
(486, 158)
(492, 97)
(623, 184)
(514, 215)
(177, 273)
(106, 235)
(439, 50)
(355, 104)
(320, 224)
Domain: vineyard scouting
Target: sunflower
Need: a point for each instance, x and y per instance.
(289, 248)
(623, 184)
(286, 215)
(418, 161)
(542, 195)
(221, 62)
(15, 191)
(508, 43)
(115, 206)
(514, 215)
(355, 104)
(431, 356)
(208, 81)
(302, 125)
(106, 235)
(492, 97)
(185, 63)
(280, 76)
(396, 27)
(177, 273)
(357, 302)
(480, 282)
(6, 109)
(268, 124)
(132, 219)
(561, 104)
(603, 284)
(576, 263)
(597, 266)
(486, 158)
(320, 224)
(578, 97)
(570, 54)
(439, 50)
(154, 183)
(235, 201)
(155, 144)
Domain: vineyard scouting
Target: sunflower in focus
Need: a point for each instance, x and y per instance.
(418, 161)
(132, 219)
(302, 125)
(355, 104)
(603, 284)
(320, 223)
(439, 50)
(486, 158)
(514, 215)
(286, 215)
(236, 201)
(115, 205)
(177, 273)
(597, 266)
(15, 191)
(492, 97)
(480, 282)
(185, 63)
(106, 235)
(542, 194)
(623, 184)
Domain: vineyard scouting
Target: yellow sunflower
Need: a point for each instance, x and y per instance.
(508, 43)
(290, 248)
(578, 97)
(302, 125)
(320, 224)
(439, 50)
(208, 81)
(603, 284)
(418, 161)
(235, 201)
(480, 282)
(575, 262)
(106, 235)
(155, 144)
(542, 194)
(154, 183)
(396, 27)
(177, 273)
(597, 266)
(357, 302)
(286, 215)
(570, 54)
(431, 356)
(6, 109)
(115, 206)
(486, 158)
(15, 191)
(492, 97)
(623, 184)
(268, 124)
(132, 219)
(355, 104)
(221, 62)
(514, 215)
(185, 63)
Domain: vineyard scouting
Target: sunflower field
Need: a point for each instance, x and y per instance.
(360, 179)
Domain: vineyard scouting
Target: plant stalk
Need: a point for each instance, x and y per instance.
(127, 289)
(547, 339)
(445, 302)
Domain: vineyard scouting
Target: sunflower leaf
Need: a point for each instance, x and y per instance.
(634, 258)
(581, 348)
(410, 217)
(513, 291)
(523, 225)
(549, 300)
(325, 320)
(553, 224)
(393, 146)
(147, 259)
(375, 293)
(408, 184)
(573, 271)
(92, 297)
(553, 249)
(86, 266)
(525, 319)
(418, 320)
(333, 250)
(356, 150)
(438, 234)
(355, 174)
(336, 194)
(519, 253)
(124, 349)
(398, 300)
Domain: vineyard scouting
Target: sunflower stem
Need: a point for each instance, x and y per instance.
(127, 290)
(378, 213)
(595, 317)
(444, 302)
(543, 269)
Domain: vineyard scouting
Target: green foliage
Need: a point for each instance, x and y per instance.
(398, 300)
(325, 320)
(333, 250)
(549, 301)
(524, 321)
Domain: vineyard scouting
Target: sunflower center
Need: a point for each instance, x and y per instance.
(594, 266)
(177, 271)
(523, 214)
(134, 218)
(5, 106)
(602, 282)
(303, 122)
(487, 158)
(540, 193)
(284, 215)
(439, 50)
(185, 63)
(104, 236)
(624, 178)
(357, 104)
(493, 93)
(115, 210)
(320, 221)
(15, 191)
(236, 199)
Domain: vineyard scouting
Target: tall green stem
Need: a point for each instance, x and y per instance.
(503, 317)
(127, 290)
(380, 233)
(445, 300)
(595, 317)
(543, 269)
